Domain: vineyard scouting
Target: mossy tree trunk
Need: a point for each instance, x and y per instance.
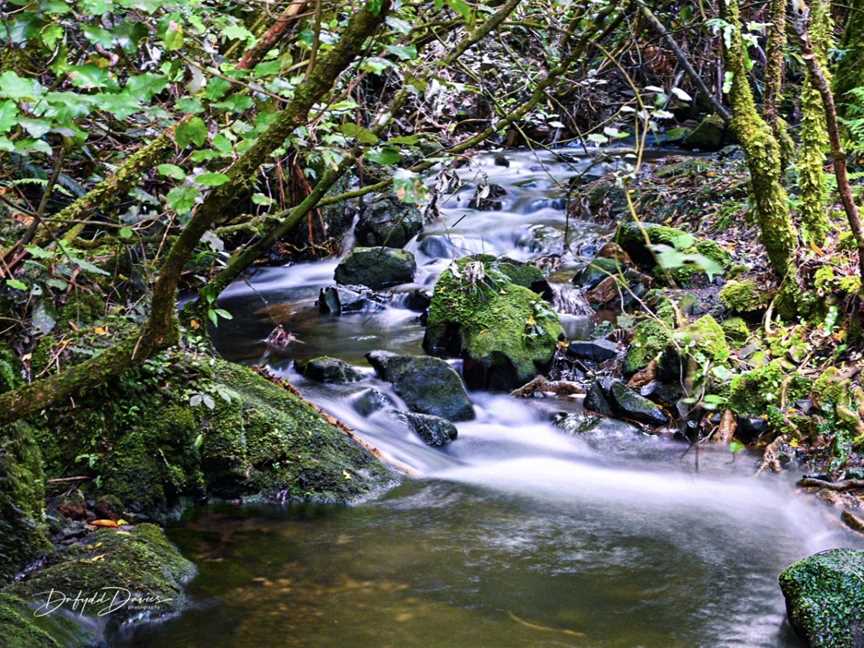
(850, 70)
(763, 155)
(160, 330)
(814, 136)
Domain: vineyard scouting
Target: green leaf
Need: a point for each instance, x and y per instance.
(171, 171)
(8, 115)
(384, 156)
(403, 52)
(13, 86)
(189, 105)
(362, 135)
(51, 34)
(409, 140)
(193, 131)
(96, 7)
(408, 187)
(224, 314)
(17, 284)
(126, 233)
(463, 9)
(88, 77)
(212, 179)
(182, 199)
(261, 199)
(39, 253)
(35, 127)
(736, 446)
(173, 38)
(98, 35)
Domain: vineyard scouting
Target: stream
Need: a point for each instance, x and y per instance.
(516, 534)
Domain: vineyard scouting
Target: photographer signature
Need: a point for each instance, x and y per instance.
(102, 602)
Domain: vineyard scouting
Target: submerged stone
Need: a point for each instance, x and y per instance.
(427, 385)
(629, 404)
(376, 267)
(371, 400)
(825, 598)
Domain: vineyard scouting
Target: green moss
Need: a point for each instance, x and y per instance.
(497, 320)
(10, 369)
(706, 337)
(753, 392)
(148, 445)
(22, 495)
(632, 237)
(831, 389)
(744, 296)
(650, 338)
(141, 560)
(825, 597)
(20, 628)
(827, 282)
(736, 331)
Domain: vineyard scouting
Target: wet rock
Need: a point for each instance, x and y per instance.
(825, 598)
(598, 398)
(434, 430)
(427, 385)
(619, 291)
(593, 273)
(666, 394)
(487, 198)
(340, 300)
(504, 332)
(709, 135)
(751, 428)
(73, 506)
(376, 267)
(501, 161)
(633, 406)
(371, 400)
(328, 370)
(593, 350)
(418, 300)
(108, 507)
(388, 222)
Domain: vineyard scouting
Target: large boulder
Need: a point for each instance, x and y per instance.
(504, 332)
(388, 222)
(825, 598)
(709, 135)
(183, 425)
(376, 267)
(427, 385)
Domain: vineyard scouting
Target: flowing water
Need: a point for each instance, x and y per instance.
(516, 534)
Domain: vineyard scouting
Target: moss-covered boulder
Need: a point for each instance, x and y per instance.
(756, 393)
(736, 331)
(694, 256)
(706, 337)
(130, 572)
(709, 134)
(22, 497)
(504, 332)
(825, 598)
(650, 337)
(328, 370)
(744, 296)
(184, 425)
(21, 628)
(376, 267)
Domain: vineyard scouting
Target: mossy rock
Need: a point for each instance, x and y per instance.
(183, 425)
(831, 389)
(376, 267)
(21, 628)
(825, 598)
(736, 331)
(706, 336)
(503, 331)
(756, 393)
(631, 237)
(744, 296)
(22, 496)
(139, 560)
(709, 135)
(650, 338)
(10, 369)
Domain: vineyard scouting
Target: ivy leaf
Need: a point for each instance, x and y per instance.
(182, 199)
(362, 135)
(98, 35)
(51, 34)
(171, 171)
(13, 86)
(8, 116)
(173, 38)
(262, 199)
(212, 179)
(88, 77)
(403, 52)
(17, 284)
(385, 156)
(193, 131)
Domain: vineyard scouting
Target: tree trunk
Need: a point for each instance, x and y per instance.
(160, 330)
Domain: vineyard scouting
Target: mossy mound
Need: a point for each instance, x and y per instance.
(188, 425)
(650, 338)
(21, 628)
(22, 496)
(140, 561)
(704, 336)
(744, 297)
(695, 253)
(736, 331)
(756, 393)
(505, 332)
(825, 598)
